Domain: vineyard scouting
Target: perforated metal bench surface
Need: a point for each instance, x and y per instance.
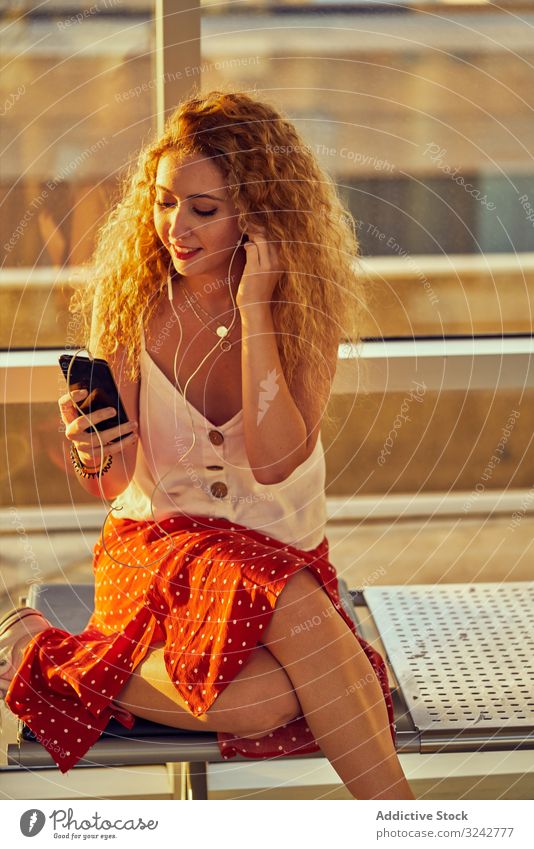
(463, 655)
(446, 645)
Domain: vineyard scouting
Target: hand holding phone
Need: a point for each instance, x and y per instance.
(95, 392)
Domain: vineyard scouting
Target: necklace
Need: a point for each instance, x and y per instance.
(222, 330)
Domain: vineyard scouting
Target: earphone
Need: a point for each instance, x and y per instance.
(243, 238)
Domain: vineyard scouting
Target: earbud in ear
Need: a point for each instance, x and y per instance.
(169, 283)
(243, 239)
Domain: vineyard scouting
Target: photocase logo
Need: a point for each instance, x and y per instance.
(32, 822)
(269, 390)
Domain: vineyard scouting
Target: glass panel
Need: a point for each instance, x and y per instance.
(419, 441)
(77, 108)
(36, 464)
(77, 98)
(416, 296)
(424, 121)
(72, 119)
(449, 296)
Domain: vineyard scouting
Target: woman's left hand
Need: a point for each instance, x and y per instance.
(262, 270)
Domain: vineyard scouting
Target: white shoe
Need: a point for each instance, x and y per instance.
(16, 626)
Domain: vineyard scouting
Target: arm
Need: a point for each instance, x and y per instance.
(281, 426)
(281, 423)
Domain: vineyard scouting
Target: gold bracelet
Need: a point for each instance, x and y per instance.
(83, 470)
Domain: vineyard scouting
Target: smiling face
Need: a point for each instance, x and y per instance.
(194, 210)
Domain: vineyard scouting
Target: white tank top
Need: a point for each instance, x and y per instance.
(215, 478)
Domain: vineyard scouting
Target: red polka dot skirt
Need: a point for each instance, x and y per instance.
(206, 588)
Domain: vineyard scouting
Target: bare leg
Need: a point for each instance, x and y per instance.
(337, 688)
(259, 699)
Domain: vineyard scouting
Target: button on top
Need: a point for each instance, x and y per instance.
(216, 437)
(219, 489)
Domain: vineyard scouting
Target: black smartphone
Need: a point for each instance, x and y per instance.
(95, 376)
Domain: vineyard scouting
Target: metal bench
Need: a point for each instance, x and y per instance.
(461, 665)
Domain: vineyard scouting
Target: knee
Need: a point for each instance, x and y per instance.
(260, 699)
(302, 601)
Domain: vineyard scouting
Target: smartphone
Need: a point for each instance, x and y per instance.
(95, 376)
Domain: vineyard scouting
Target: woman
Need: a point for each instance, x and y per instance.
(221, 285)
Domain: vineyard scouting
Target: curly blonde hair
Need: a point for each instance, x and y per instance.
(275, 181)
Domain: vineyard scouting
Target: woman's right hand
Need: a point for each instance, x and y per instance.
(88, 444)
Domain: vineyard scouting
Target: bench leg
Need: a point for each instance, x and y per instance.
(198, 780)
(189, 781)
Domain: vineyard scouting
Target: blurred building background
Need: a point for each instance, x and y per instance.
(423, 114)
